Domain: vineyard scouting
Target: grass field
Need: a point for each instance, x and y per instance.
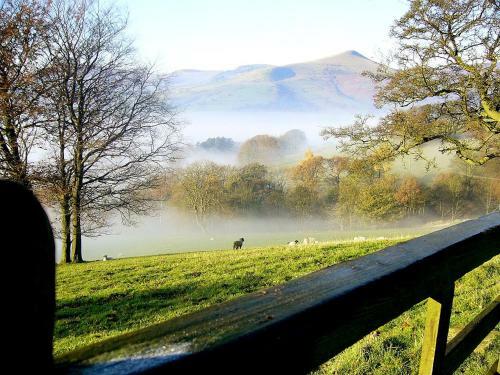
(97, 300)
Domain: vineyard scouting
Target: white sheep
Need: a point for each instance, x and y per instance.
(360, 238)
(309, 240)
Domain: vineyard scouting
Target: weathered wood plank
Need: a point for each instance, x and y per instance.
(293, 328)
(436, 331)
(464, 343)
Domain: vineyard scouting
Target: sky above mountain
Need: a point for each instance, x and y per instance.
(224, 34)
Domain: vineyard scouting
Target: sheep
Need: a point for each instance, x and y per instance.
(360, 238)
(309, 240)
(238, 244)
(293, 243)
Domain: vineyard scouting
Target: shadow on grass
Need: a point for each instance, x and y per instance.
(125, 310)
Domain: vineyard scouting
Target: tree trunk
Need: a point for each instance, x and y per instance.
(66, 229)
(65, 196)
(76, 229)
(76, 203)
(200, 222)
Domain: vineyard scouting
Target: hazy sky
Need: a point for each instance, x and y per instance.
(222, 34)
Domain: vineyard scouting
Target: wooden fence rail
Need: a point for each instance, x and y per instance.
(297, 326)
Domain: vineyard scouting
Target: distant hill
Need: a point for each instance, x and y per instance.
(329, 84)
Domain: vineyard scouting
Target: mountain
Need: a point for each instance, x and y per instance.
(327, 84)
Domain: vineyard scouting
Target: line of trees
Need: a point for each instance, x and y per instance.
(82, 121)
(349, 191)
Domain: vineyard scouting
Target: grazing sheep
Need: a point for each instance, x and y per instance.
(309, 240)
(238, 244)
(360, 238)
(293, 243)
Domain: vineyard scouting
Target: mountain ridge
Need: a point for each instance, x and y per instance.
(326, 84)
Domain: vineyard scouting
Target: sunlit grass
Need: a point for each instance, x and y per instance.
(97, 300)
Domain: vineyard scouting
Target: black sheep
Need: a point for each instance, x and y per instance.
(238, 244)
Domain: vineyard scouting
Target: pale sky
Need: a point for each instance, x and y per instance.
(223, 34)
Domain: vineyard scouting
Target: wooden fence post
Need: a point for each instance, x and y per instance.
(437, 325)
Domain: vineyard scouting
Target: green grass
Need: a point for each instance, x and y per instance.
(97, 300)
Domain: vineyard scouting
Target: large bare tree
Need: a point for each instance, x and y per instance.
(113, 128)
(443, 83)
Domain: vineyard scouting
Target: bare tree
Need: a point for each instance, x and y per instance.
(114, 127)
(201, 190)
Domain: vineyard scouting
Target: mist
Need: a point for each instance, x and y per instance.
(243, 125)
(168, 231)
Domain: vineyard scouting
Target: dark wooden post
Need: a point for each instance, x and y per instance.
(437, 325)
(27, 281)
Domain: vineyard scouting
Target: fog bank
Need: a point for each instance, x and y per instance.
(170, 231)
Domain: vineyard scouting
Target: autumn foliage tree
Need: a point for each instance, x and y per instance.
(252, 189)
(376, 200)
(259, 149)
(410, 195)
(310, 172)
(23, 24)
(443, 85)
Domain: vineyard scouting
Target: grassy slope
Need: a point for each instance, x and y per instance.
(100, 299)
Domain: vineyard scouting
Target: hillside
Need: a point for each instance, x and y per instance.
(328, 84)
(98, 300)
